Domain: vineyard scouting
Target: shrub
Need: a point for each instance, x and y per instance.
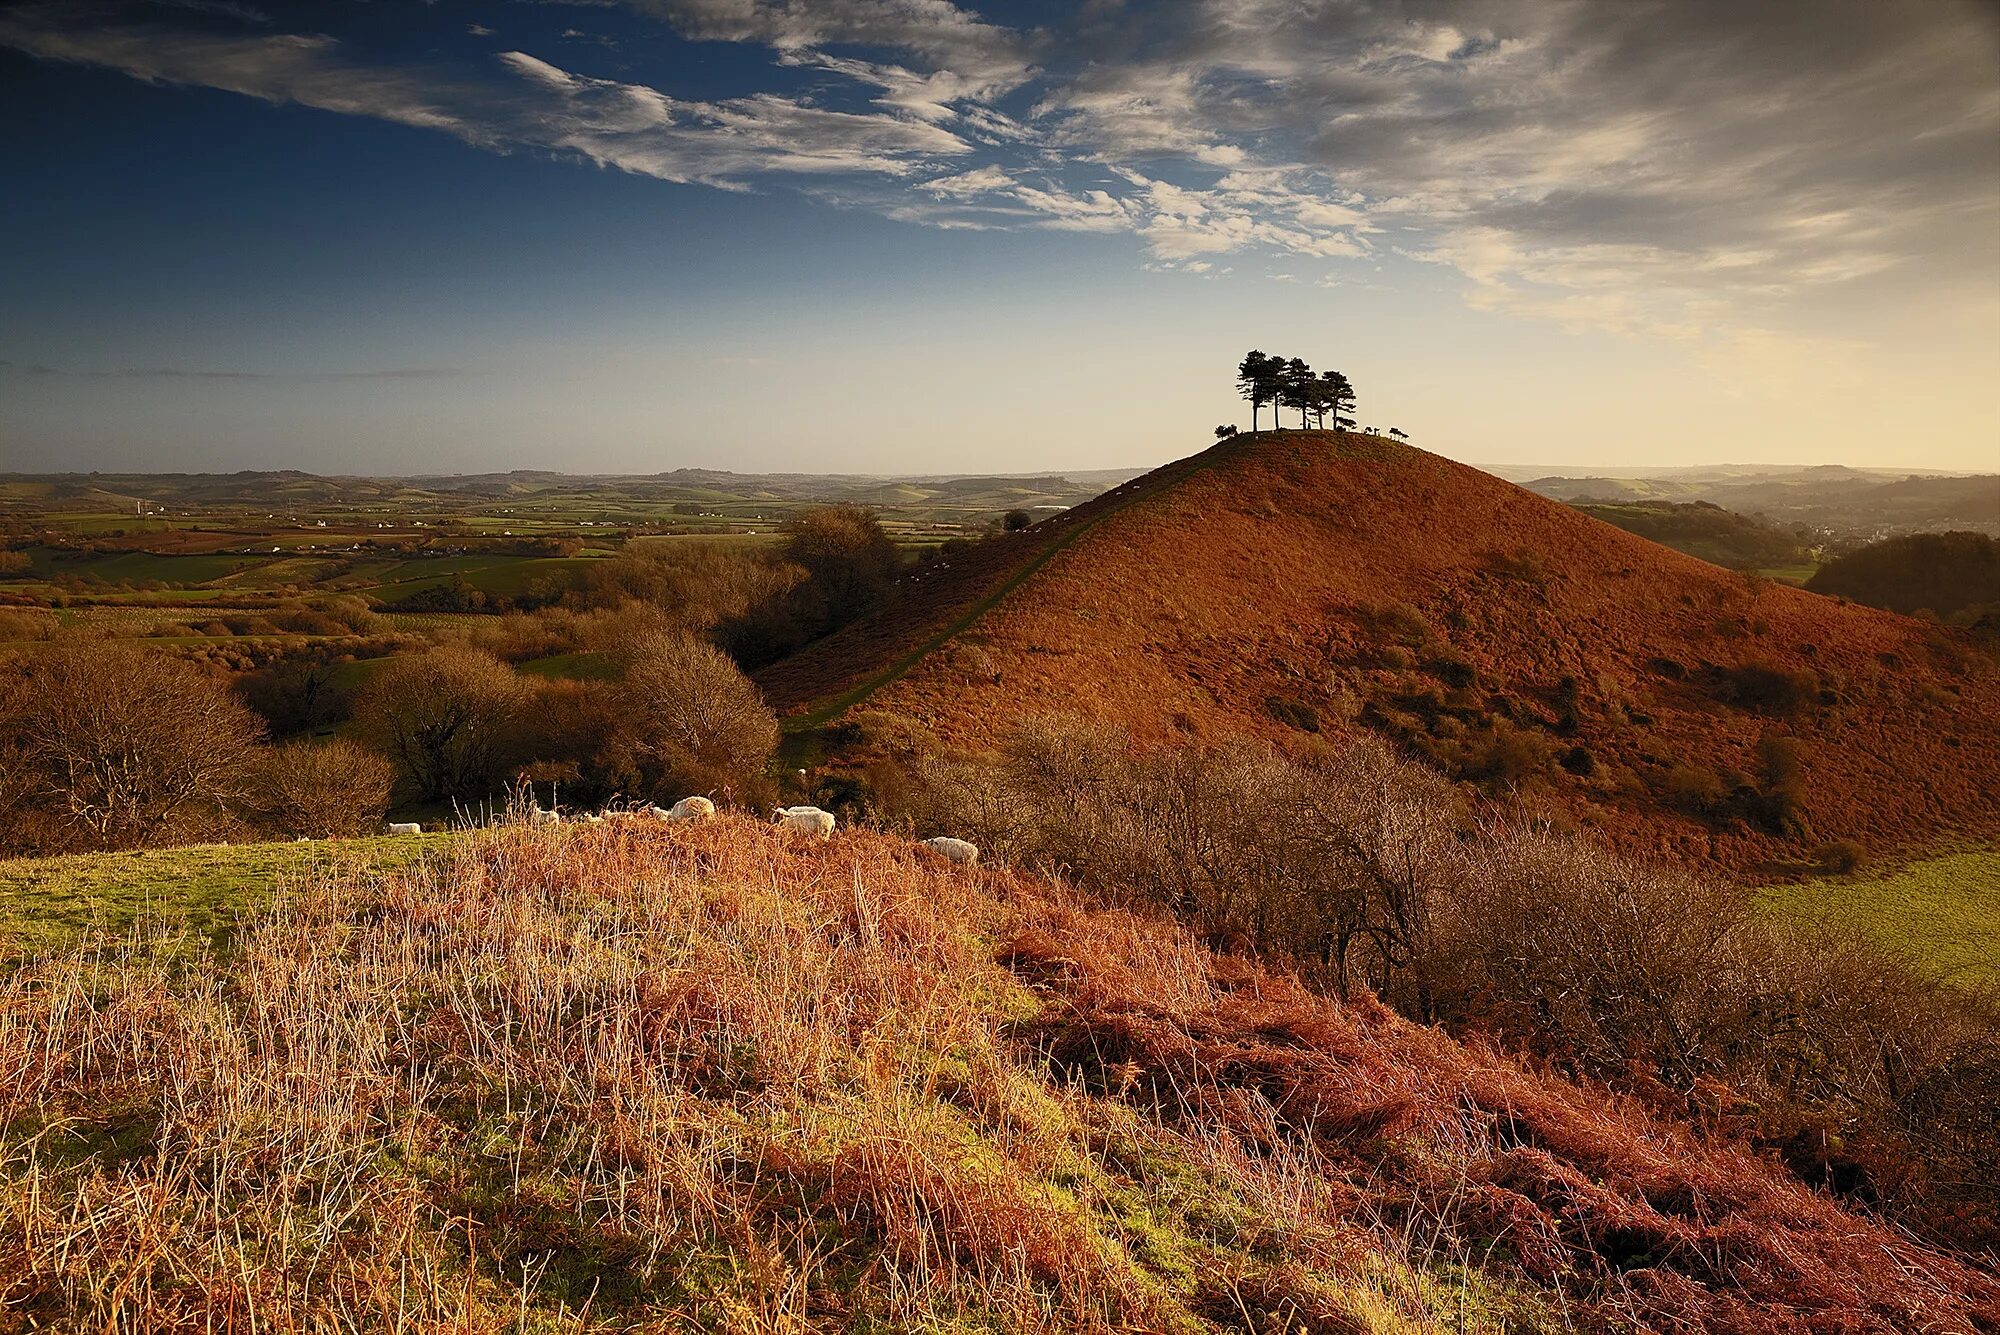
(1770, 689)
(694, 723)
(26, 625)
(320, 789)
(445, 718)
(1292, 713)
(112, 745)
(1694, 789)
(1840, 857)
(1016, 520)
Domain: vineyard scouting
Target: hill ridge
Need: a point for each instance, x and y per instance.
(1311, 581)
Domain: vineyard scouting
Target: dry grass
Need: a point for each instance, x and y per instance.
(1208, 592)
(639, 1076)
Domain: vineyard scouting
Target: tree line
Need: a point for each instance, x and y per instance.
(1291, 383)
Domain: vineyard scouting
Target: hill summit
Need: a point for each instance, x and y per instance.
(1297, 582)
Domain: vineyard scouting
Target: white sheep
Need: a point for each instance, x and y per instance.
(593, 818)
(405, 827)
(805, 820)
(954, 850)
(659, 813)
(692, 808)
(537, 816)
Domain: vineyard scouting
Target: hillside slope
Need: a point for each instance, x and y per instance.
(1312, 581)
(669, 1077)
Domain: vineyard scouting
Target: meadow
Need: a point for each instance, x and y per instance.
(1942, 913)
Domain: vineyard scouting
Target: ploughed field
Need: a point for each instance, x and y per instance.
(598, 1077)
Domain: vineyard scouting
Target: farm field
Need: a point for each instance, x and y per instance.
(198, 892)
(1942, 913)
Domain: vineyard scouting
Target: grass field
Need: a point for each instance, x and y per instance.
(1942, 914)
(204, 888)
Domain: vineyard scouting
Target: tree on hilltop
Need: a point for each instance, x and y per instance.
(1337, 397)
(1257, 379)
(1290, 383)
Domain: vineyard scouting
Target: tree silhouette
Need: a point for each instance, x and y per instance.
(1295, 380)
(1339, 394)
(1397, 432)
(1225, 432)
(1290, 383)
(1257, 381)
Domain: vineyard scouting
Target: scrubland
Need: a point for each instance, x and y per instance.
(639, 1076)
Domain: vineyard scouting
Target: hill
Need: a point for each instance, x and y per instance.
(1942, 573)
(1848, 504)
(1311, 582)
(660, 1077)
(1709, 532)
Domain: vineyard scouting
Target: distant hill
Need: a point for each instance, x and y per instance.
(1844, 504)
(1720, 537)
(1298, 582)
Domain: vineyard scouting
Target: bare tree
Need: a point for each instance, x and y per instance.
(126, 746)
(694, 722)
(445, 718)
(321, 789)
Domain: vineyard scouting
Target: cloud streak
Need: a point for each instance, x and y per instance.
(1651, 166)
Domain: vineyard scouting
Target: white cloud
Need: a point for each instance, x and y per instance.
(1659, 165)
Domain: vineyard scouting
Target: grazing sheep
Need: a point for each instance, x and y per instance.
(954, 850)
(692, 808)
(593, 818)
(659, 813)
(805, 820)
(537, 816)
(405, 827)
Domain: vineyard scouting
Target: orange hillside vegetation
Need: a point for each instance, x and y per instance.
(1305, 581)
(675, 1077)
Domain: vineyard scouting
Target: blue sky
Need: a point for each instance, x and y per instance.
(908, 235)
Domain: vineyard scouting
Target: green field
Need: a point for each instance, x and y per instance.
(204, 888)
(1942, 914)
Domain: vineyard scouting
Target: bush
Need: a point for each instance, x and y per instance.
(108, 745)
(320, 789)
(1841, 857)
(1694, 789)
(693, 722)
(446, 720)
(1770, 689)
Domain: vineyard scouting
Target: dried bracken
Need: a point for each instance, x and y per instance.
(639, 1075)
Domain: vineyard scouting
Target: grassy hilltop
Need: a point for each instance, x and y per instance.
(640, 1076)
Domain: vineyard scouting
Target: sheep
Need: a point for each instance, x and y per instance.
(659, 813)
(405, 827)
(954, 850)
(537, 816)
(805, 820)
(692, 808)
(593, 818)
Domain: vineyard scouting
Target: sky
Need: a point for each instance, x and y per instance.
(918, 236)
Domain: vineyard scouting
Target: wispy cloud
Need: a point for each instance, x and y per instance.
(1658, 165)
(182, 373)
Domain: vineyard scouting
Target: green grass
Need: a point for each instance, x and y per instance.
(583, 666)
(1942, 914)
(206, 888)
